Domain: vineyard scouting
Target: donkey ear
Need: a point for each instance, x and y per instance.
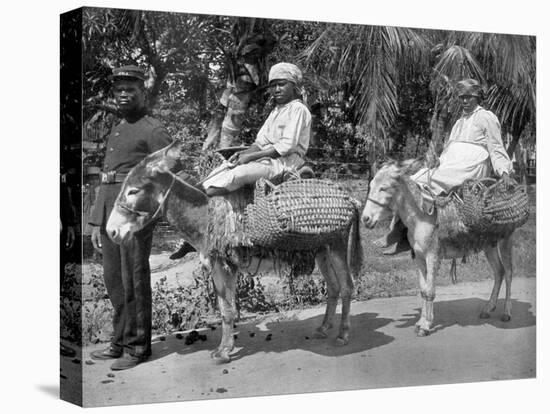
(411, 166)
(174, 150)
(158, 167)
(168, 160)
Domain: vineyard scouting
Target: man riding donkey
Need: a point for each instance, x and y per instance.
(280, 145)
(300, 223)
(126, 268)
(474, 146)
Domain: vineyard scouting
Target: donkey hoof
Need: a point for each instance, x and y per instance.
(484, 315)
(221, 356)
(341, 341)
(505, 318)
(320, 333)
(422, 332)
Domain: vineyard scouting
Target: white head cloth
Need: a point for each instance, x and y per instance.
(287, 71)
(292, 73)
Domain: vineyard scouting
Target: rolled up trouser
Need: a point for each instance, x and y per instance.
(241, 175)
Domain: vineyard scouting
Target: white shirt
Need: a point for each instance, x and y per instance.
(287, 129)
(473, 146)
(481, 128)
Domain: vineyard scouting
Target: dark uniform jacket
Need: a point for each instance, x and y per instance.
(127, 145)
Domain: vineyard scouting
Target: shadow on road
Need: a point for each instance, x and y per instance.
(465, 312)
(49, 389)
(286, 336)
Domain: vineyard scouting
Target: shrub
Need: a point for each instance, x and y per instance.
(182, 307)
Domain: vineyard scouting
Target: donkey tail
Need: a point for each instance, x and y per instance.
(355, 249)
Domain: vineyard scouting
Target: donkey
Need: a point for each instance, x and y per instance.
(389, 194)
(152, 188)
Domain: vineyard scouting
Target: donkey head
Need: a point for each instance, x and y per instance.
(382, 190)
(143, 193)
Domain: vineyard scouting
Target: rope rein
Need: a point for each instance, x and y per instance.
(378, 203)
(159, 208)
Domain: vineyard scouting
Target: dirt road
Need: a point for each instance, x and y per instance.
(383, 351)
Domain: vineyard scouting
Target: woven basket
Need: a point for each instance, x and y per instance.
(489, 207)
(301, 214)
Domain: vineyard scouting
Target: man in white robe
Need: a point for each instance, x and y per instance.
(474, 149)
(474, 146)
(280, 145)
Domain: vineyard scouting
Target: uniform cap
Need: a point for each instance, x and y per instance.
(128, 72)
(93, 171)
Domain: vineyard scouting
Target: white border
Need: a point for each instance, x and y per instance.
(29, 309)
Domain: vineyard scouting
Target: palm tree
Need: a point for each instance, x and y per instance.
(367, 62)
(244, 68)
(506, 62)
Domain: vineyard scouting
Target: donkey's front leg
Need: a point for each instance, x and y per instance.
(225, 285)
(428, 268)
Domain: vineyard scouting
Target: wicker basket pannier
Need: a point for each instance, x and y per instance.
(490, 207)
(301, 214)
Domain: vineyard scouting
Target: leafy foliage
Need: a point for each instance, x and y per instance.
(87, 318)
(379, 76)
(182, 307)
(251, 296)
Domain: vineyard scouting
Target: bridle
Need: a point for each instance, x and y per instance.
(159, 208)
(378, 203)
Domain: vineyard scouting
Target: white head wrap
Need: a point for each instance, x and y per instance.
(289, 72)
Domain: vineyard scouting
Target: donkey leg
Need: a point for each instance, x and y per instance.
(421, 264)
(494, 260)
(505, 250)
(333, 291)
(225, 285)
(428, 268)
(341, 271)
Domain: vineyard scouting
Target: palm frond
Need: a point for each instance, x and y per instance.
(511, 105)
(457, 63)
(368, 58)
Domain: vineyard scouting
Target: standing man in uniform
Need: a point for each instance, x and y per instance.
(126, 268)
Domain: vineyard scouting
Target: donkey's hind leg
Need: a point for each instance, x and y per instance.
(505, 252)
(346, 291)
(341, 273)
(333, 291)
(494, 260)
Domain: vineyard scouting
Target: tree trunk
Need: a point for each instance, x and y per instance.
(155, 89)
(252, 42)
(224, 129)
(214, 129)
